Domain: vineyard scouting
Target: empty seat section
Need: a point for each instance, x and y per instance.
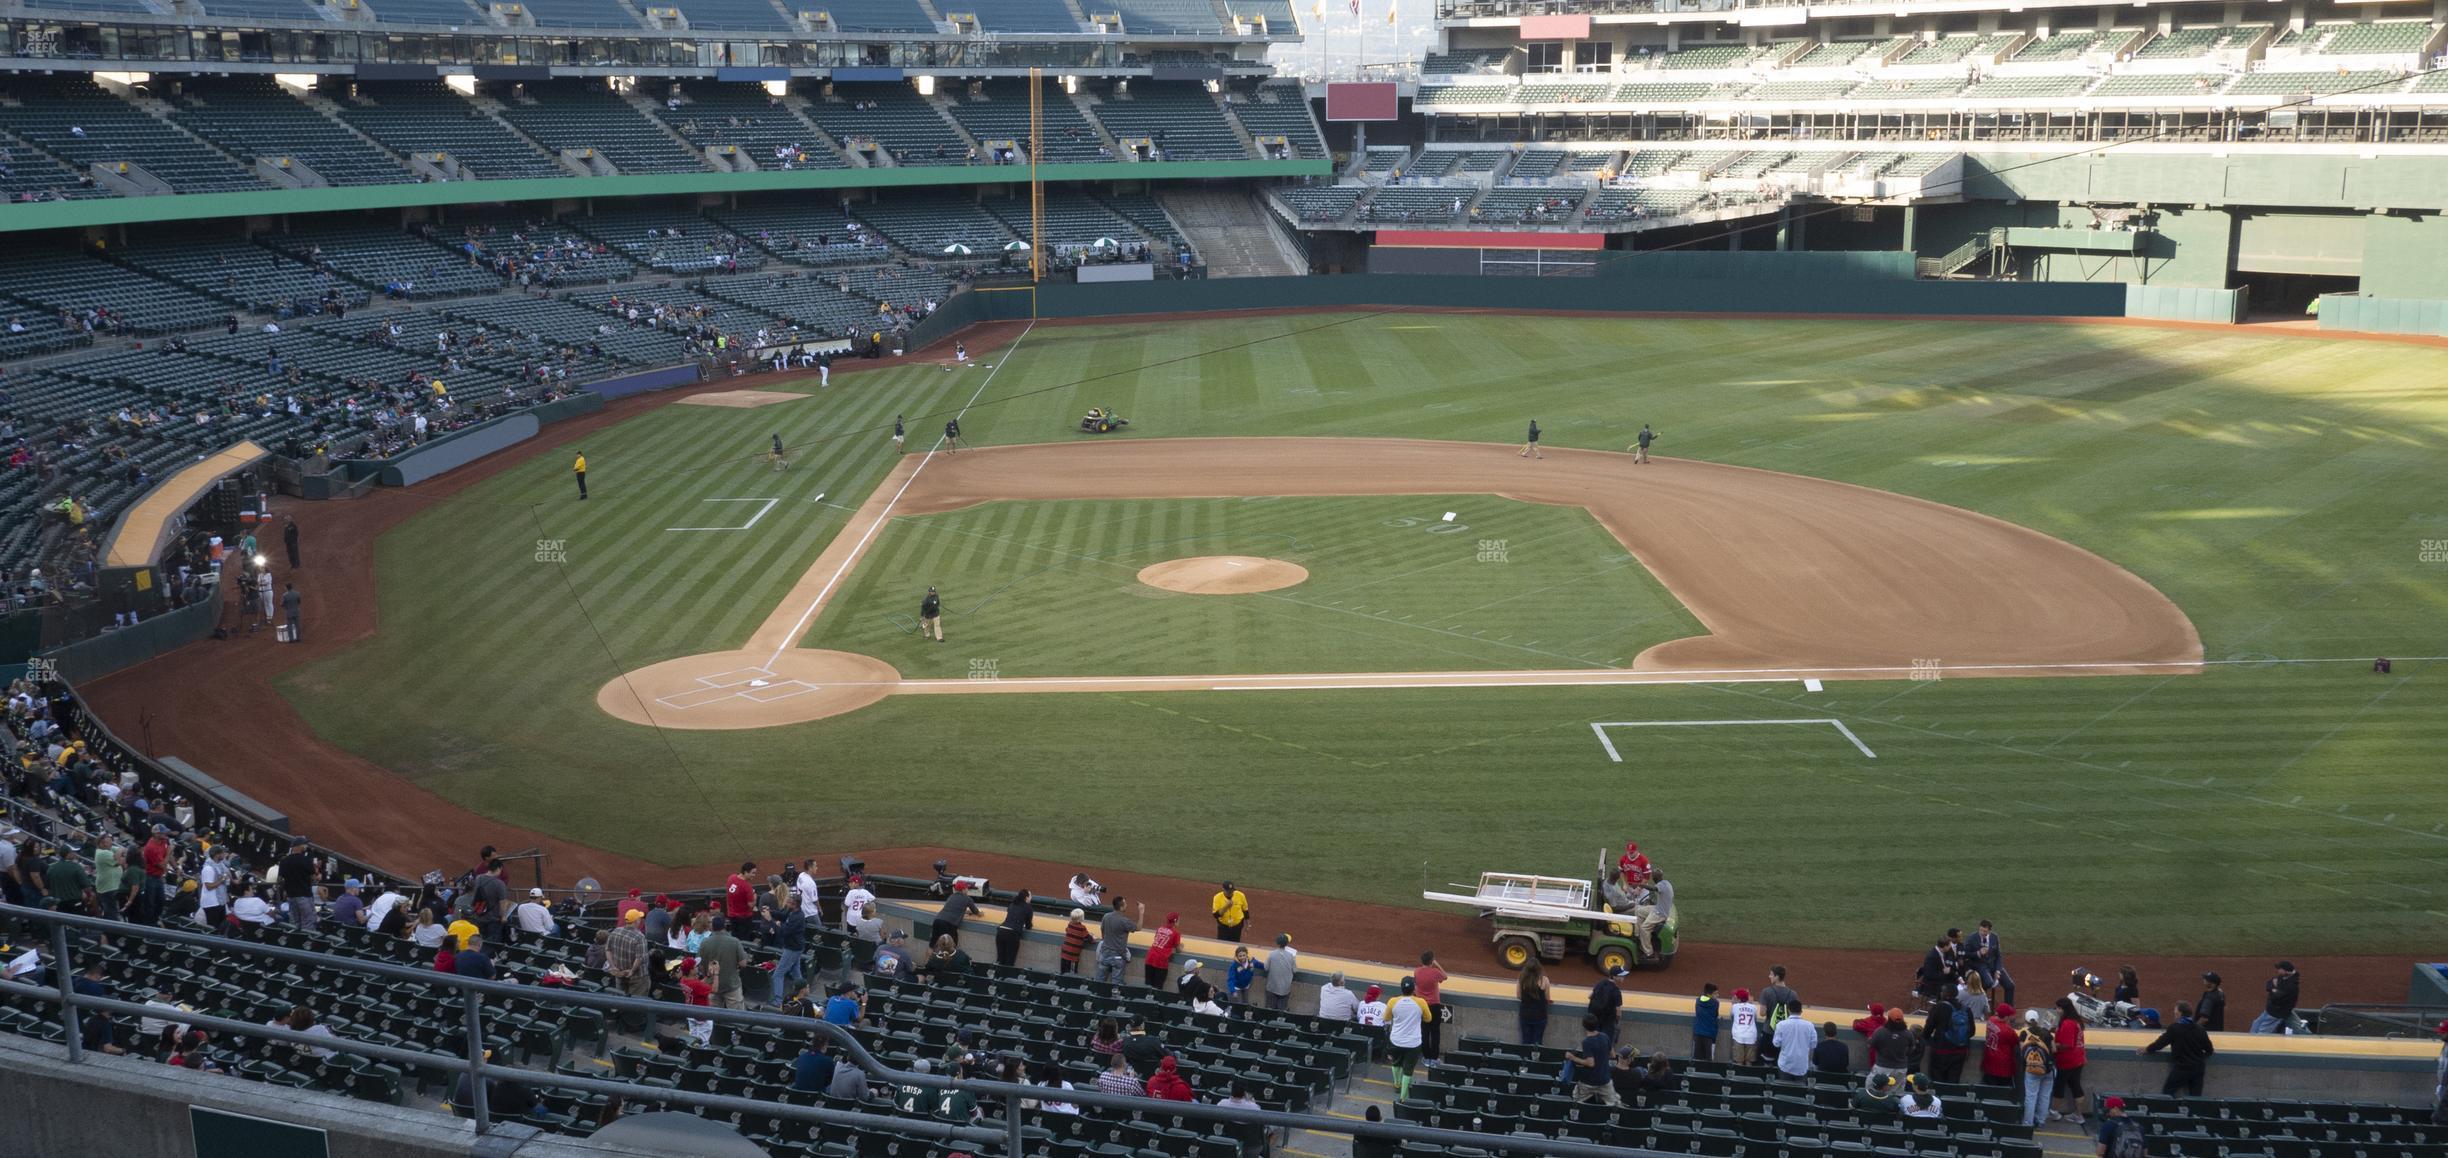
(1053, 16)
(398, 264)
(576, 115)
(1181, 117)
(84, 124)
(1321, 202)
(930, 224)
(729, 15)
(670, 240)
(869, 15)
(1278, 108)
(1417, 203)
(254, 118)
(1160, 17)
(755, 121)
(1525, 206)
(893, 117)
(411, 117)
(999, 111)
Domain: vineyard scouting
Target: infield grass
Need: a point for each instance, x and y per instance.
(2279, 489)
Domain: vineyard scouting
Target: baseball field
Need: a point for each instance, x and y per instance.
(1906, 623)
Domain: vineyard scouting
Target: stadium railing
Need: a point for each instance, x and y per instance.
(476, 1067)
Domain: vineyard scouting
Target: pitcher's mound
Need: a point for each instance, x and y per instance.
(1223, 575)
(747, 689)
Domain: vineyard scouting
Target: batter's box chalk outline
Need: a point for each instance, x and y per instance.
(755, 685)
(1607, 742)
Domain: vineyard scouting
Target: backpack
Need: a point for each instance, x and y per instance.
(2036, 1057)
(1958, 1032)
(2127, 1143)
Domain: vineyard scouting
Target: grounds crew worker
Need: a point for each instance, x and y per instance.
(930, 616)
(578, 471)
(1231, 909)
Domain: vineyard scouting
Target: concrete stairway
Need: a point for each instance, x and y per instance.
(1231, 231)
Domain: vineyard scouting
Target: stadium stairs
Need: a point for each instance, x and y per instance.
(1232, 232)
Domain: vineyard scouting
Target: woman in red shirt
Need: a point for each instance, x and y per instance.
(1160, 950)
(2070, 1058)
(1998, 1064)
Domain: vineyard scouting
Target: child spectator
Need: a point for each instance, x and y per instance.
(1746, 1030)
(1704, 1023)
(1239, 977)
(1075, 940)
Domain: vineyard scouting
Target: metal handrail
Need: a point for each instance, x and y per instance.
(478, 1070)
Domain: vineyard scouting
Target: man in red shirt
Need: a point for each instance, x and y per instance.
(149, 903)
(1426, 981)
(739, 896)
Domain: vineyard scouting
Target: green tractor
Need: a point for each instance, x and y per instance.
(1550, 918)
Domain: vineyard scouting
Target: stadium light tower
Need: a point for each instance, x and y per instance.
(1036, 184)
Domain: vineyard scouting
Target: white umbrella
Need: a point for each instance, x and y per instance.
(956, 247)
(1016, 247)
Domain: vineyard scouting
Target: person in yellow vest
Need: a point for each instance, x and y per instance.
(578, 471)
(1231, 909)
(439, 390)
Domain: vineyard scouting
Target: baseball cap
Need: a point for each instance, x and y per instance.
(2032, 1016)
(2111, 1102)
(1619, 971)
(1192, 966)
(535, 892)
(352, 883)
(2443, 1029)
(1742, 995)
(896, 935)
(2211, 977)
(2286, 967)
(1896, 1015)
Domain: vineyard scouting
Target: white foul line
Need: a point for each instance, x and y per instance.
(752, 519)
(791, 639)
(1617, 757)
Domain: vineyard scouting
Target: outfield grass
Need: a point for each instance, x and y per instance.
(1048, 589)
(2277, 488)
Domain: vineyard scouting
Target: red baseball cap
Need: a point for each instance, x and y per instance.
(2111, 1103)
(2443, 1029)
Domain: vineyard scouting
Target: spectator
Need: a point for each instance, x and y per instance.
(625, 964)
(813, 1071)
(1919, 1101)
(1606, 1004)
(849, 1084)
(2212, 1005)
(1336, 1002)
(491, 890)
(1592, 1080)
(154, 890)
(109, 879)
(2037, 1051)
(1018, 918)
(1891, 1047)
(809, 895)
(460, 931)
(956, 908)
(100, 1033)
(1117, 1079)
(1372, 1011)
(1240, 1098)
(892, 959)
(847, 1007)
(1946, 1035)
(2189, 1049)
(785, 930)
(1429, 981)
(739, 894)
(1795, 1038)
(302, 1020)
(1973, 997)
(1830, 1056)
(1872, 1100)
(1531, 999)
(386, 904)
(1282, 968)
(1407, 1018)
(1778, 1001)
(1745, 1030)
(1704, 1023)
(1075, 941)
(248, 909)
(2071, 1057)
(1161, 944)
(1998, 1055)
(695, 991)
(1113, 943)
(1240, 975)
(725, 958)
(1197, 992)
(1144, 1049)
(1087, 893)
(1168, 1084)
(212, 888)
(1106, 1039)
(2120, 1136)
(2439, 1077)
(473, 961)
(349, 907)
(858, 902)
(948, 960)
(531, 919)
(2284, 990)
